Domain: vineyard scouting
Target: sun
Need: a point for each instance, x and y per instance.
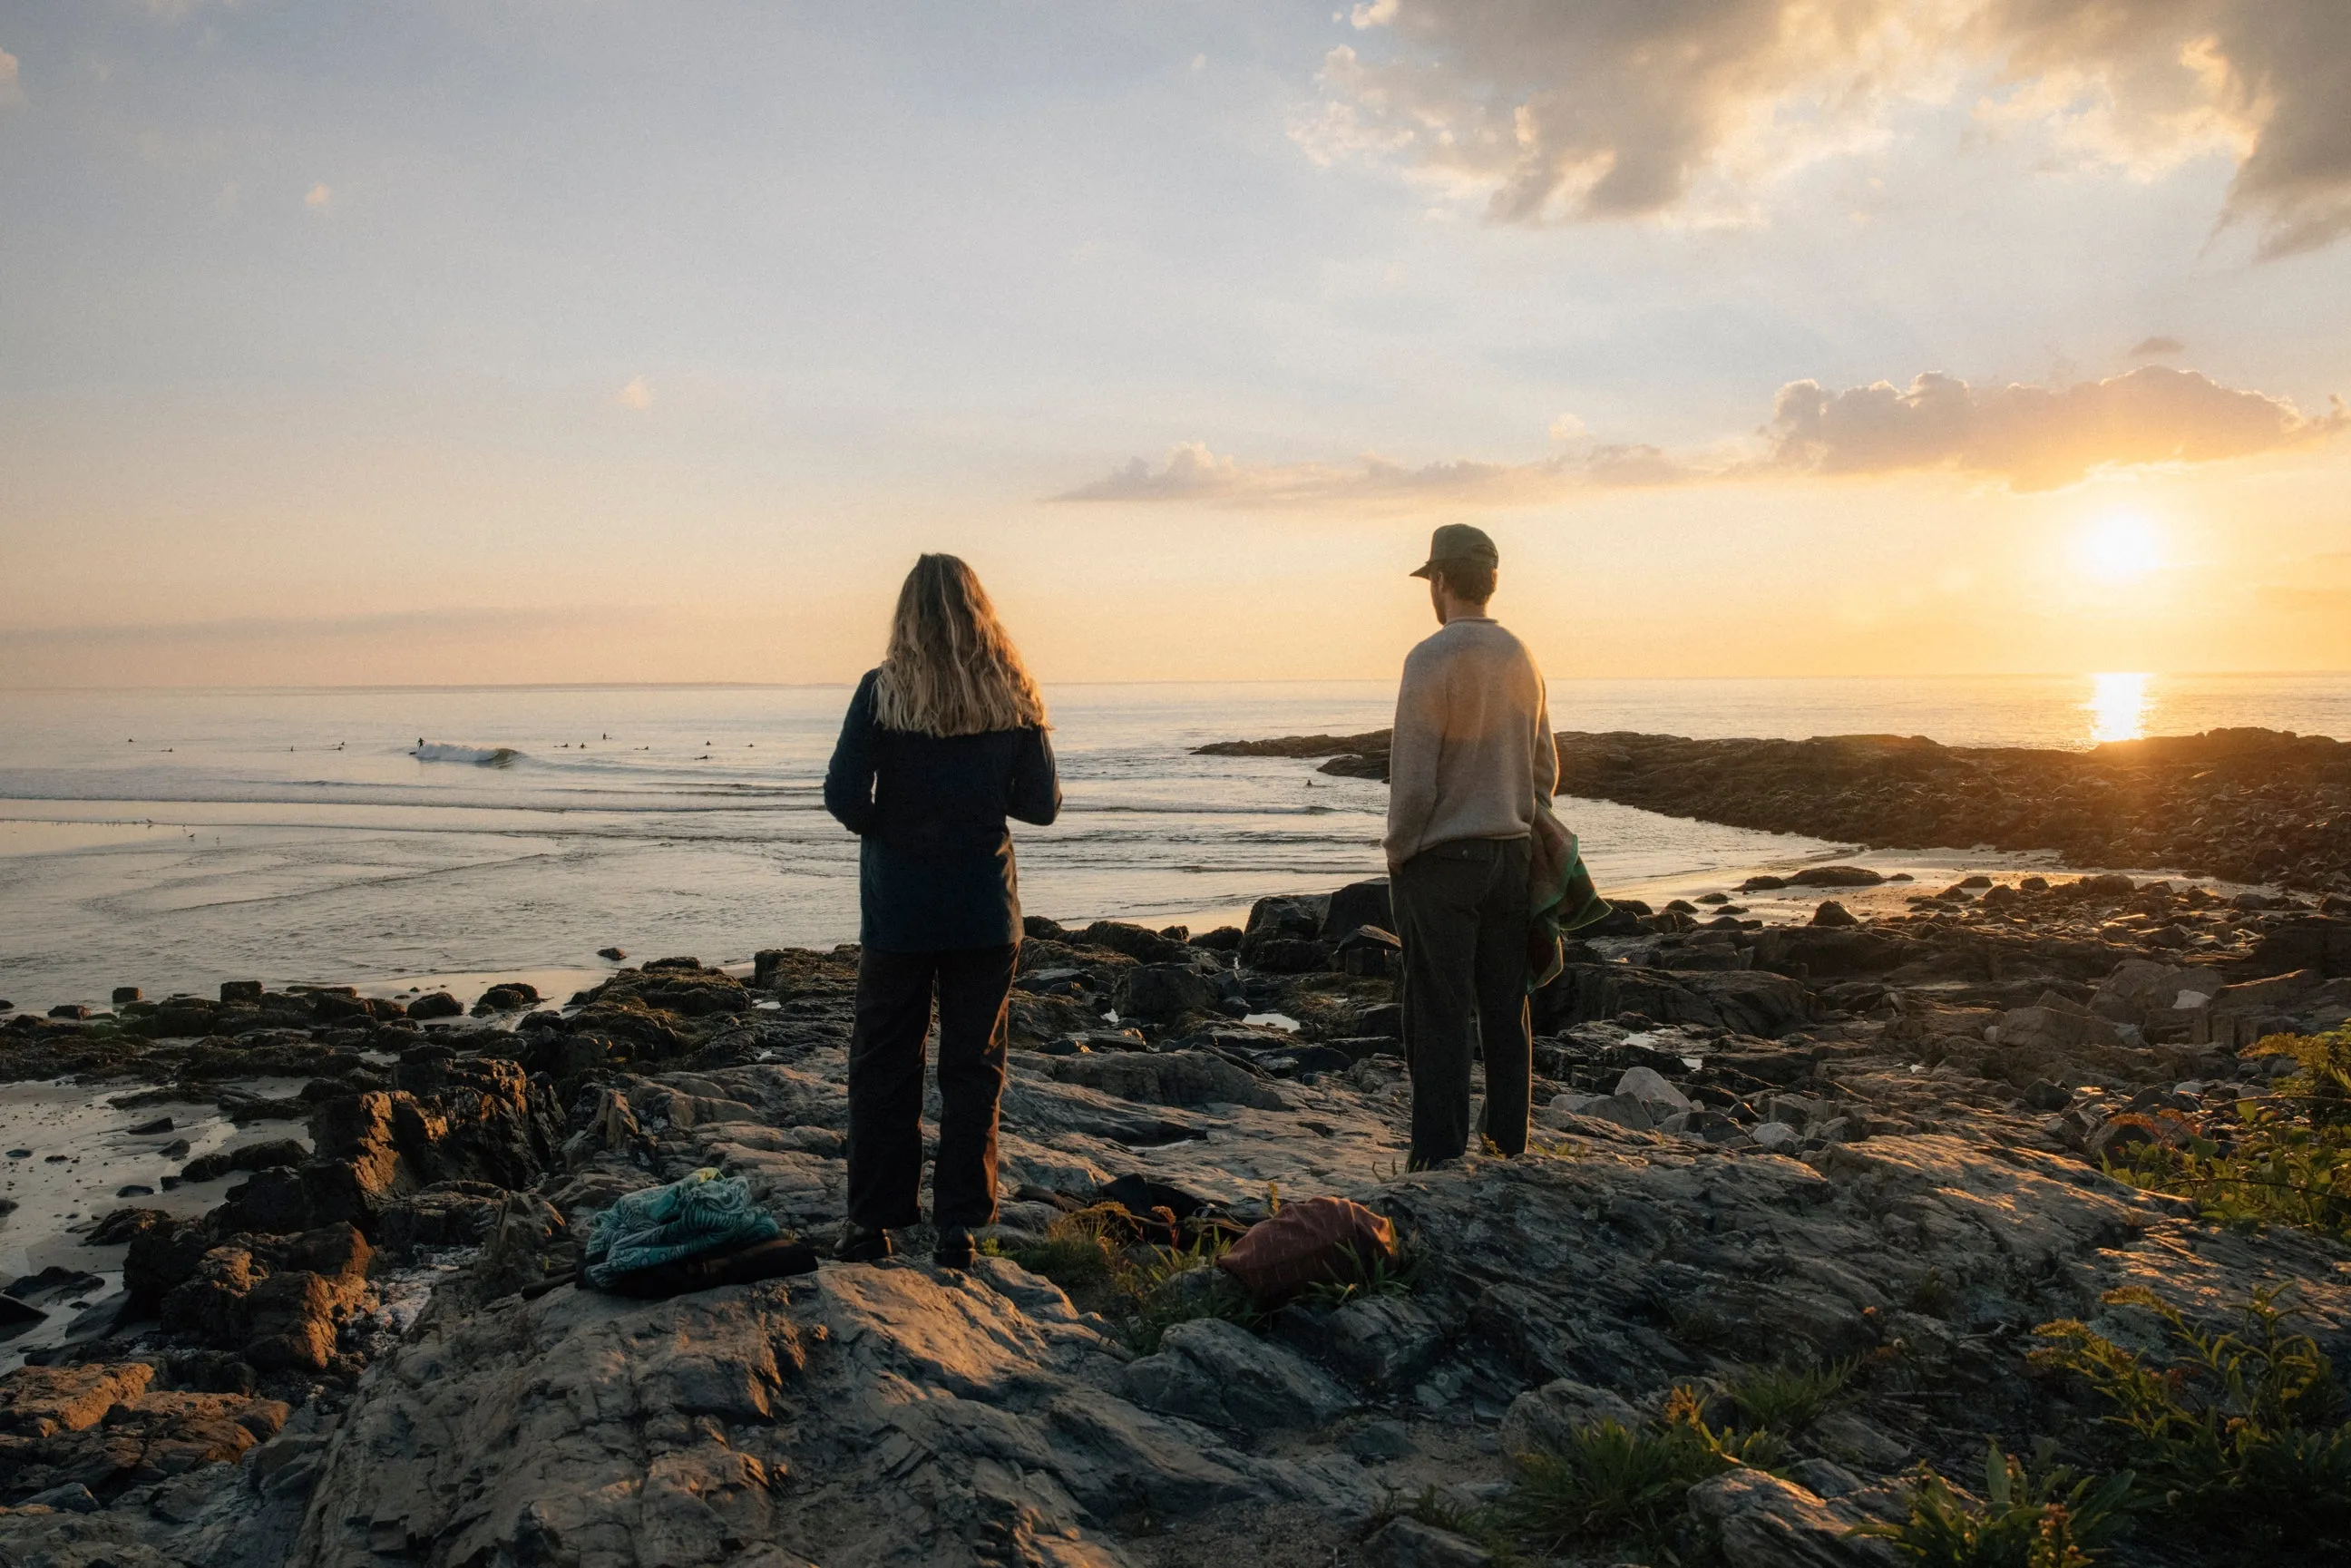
(2119, 548)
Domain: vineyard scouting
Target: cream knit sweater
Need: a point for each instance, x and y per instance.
(1473, 746)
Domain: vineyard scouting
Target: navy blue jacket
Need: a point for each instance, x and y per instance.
(936, 871)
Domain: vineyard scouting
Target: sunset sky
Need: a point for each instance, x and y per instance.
(615, 339)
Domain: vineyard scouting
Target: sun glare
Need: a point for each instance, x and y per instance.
(2119, 548)
(2118, 706)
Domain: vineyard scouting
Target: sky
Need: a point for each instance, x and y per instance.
(523, 340)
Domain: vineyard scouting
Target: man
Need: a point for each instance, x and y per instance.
(1471, 756)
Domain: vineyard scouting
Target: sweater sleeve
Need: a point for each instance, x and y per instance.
(849, 778)
(1413, 753)
(1546, 752)
(1036, 792)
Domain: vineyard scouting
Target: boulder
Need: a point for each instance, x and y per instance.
(1145, 947)
(1657, 1096)
(41, 1401)
(1356, 905)
(1382, 1343)
(1288, 956)
(1546, 1417)
(1162, 991)
(2043, 1027)
(1404, 1542)
(2273, 993)
(1033, 1020)
(1212, 1371)
(269, 1155)
(1766, 1522)
(1370, 951)
(1827, 952)
(1622, 1108)
(2139, 986)
(1747, 1001)
(1835, 876)
(2239, 1015)
(276, 1300)
(1831, 913)
(139, 1438)
(1283, 933)
(1173, 1077)
(1291, 915)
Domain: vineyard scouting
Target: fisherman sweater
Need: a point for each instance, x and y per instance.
(1472, 748)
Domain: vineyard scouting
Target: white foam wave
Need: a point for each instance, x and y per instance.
(480, 756)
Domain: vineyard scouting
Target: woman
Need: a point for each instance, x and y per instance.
(941, 743)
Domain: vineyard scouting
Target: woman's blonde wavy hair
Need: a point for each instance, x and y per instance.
(951, 668)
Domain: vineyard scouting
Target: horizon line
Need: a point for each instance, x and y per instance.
(391, 687)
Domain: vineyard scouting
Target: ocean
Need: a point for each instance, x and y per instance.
(174, 839)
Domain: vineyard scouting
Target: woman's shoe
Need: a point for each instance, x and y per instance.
(859, 1245)
(955, 1249)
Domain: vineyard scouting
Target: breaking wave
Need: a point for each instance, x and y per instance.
(479, 755)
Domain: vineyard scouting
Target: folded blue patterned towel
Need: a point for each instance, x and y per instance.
(704, 1212)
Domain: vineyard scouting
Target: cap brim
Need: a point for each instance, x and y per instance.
(1429, 571)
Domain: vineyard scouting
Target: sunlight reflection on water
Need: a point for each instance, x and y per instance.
(2117, 706)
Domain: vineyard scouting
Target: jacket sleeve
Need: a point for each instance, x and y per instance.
(1413, 753)
(849, 778)
(1035, 795)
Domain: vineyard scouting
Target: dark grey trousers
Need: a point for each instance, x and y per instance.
(885, 1084)
(1461, 910)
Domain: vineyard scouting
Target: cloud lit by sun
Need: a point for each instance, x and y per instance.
(2121, 547)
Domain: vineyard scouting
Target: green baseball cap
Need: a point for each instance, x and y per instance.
(1459, 543)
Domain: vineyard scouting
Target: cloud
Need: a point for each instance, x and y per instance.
(2030, 437)
(637, 394)
(2154, 348)
(318, 197)
(11, 91)
(2035, 438)
(2268, 76)
(1626, 110)
(1192, 472)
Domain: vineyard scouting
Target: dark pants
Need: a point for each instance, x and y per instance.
(1461, 910)
(885, 1084)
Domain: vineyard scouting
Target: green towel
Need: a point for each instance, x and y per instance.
(702, 1213)
(1561, 896)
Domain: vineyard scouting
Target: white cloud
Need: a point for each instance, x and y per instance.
(2035, 438)
(1598, 110)
(318, 198)
(2157, 348)
(637, 394)
(12, 90)
(1606, 111)
(1192, 472)
(2029, 438)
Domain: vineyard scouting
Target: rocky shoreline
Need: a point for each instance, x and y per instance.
(2244, 805)
(1876, 1145)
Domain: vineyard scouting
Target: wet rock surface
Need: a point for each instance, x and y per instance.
(1878, 1143)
